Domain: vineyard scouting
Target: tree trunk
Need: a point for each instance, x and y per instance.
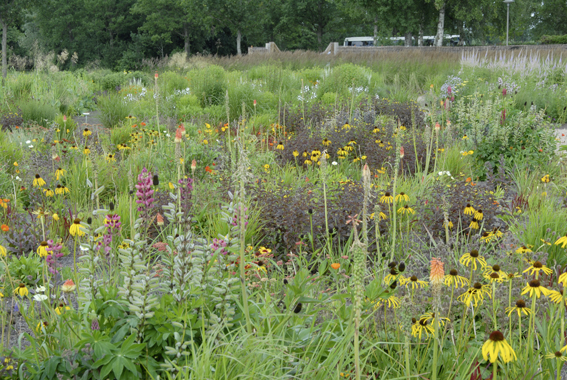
(4, 48)
(440, 26)
(319, 37)
(408, 40)
(375, 31)
(420, 37)
(238, 42)
(187, 47)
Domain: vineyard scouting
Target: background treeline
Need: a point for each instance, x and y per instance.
(120, 34)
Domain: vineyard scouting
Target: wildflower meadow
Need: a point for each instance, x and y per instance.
(286, 217)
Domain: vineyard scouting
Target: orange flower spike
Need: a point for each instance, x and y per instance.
(335, 266)
(437, 273)
(178, 135)
(159, 219)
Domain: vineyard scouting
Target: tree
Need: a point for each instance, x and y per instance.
(314, 16)
(240, 16)
(10, 12)
(163, 18)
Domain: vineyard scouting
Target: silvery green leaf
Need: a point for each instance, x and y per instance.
(89, 183)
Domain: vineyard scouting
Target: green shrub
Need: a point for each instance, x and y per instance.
(71, 125)
(329, 98)
(343, 77)
(553, 40)
(36, 110)
(9, 153)
(171, 81)
(112, 81)
(209, 84)
(113, 110)
(120, 135)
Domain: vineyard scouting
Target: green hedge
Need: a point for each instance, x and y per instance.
(552, 40)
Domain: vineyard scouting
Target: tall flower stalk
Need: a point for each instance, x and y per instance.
(436, 277)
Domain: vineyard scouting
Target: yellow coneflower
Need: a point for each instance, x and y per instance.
(469, 210)
(55, 217)
(38, 181)
(534, 287)
(475, 294)
(402, 196)
(496, 232)
(304, 154)
(386, 198)
(42, 249)
(538, 266)
(280, 146)
(494, 277)
(474, 224)
(563, 279)
(406, 210)
(376, 130)
(436, 273)
(448, 224)
(562, 240)
(87, 132)
(381, 216)
(415, 283)
(418, 328)
(556, 297)
(520, 308)
(3, 251)
(393, 276)
(307, 162)
(59, 173)
(454, 280)
(523, 249)
(110, 158)
(478, 215)
(430, 317)
(556, 355)
(545, 178)
(62, 308)
(495, 345)
(326, 142)
(21, 290)
(472, 258)
(391, 301)
(487, 237)
(76, 228)
(48, 192)
(295, 153)
(494, 268)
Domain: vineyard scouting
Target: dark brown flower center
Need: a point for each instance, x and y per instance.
(22, 285)
(520, 304)
(479, 211)
(534, 283)
(558, 354)
(496, 268)
(413, 278)
(386, 194)
(453, 272)
(43, 244)
(538, 265)
(474, 253)
(393, 272)
(477, 286)
(494, 275)
(77, 221)
(423, 322)
(413, 320)
(37, 176)
(496, 336)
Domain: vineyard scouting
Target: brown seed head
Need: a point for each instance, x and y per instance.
(474, 253)
(496, 336)
(496, 268)
(520, 304)
(413, 278)
(534, 283)
(494, 275)
(453, 272)
(477, 286)
(538, 265)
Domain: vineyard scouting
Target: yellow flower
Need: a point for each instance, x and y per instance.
(475, 294)
(86, 151)
(55, 217)
(415, 283)
(392, 302)
(267, 168)
(3, 251)
(495, 345)
(562, 240)
(38, 181)
(295, 153)
(478, 215)
(381, 216)
(418, 328)
(431, 317)
(563, 279)
(474, 224)
(205, 142)
(469, 210)
(48, 192)
(87, 132)
(406, 210)
(280, 146)
(450, 224)
(454, 280)
(536, 267)
(556, 355)
(556, 297)
(42, 249)
(110, 158)
(387, 198)
(15, 163)
(171, 186)
(545, 178)
(59, 173)
(326, 142)
(402, 196)
(494, 277)
(472, 258)
(76, 228)
(307, 162)
(62, 308)
(523, 249)
(534, 287)
(520, 308)
(21, 290)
